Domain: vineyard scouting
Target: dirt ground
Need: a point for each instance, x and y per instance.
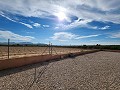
(23, 51)
(95, 71)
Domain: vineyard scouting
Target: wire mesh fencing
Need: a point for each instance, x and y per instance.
(15, 51)
(21, 51)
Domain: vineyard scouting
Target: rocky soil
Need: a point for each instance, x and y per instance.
(95, 71)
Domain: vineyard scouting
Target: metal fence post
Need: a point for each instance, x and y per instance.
(8, 47)
(51, 48)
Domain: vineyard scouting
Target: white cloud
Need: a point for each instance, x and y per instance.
(36, 25)
(13, 36)
(115, 35)
(76, 23)
(46, 26)
(25, 24)
(105, 27)
(63, 36)
(94, 10)
(80, 37)
(8, 18)
(66, 36)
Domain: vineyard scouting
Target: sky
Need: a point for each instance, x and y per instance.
(62, 22)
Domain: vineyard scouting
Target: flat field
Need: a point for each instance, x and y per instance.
(32, 51)
(95, 71)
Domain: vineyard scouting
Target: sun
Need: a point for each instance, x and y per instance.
(61, 16)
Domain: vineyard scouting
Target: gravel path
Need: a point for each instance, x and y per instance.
(96, 71)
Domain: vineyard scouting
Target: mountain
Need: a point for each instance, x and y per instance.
(13, 43)
(6, 43)
(23, 43)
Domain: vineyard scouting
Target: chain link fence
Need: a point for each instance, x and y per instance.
(15, 51)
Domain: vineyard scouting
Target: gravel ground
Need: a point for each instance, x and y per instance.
(95, 71)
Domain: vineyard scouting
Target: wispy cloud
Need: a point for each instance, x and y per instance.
(105, 27)
(15, 37)
(76, 23)
(36, 25)
(46, 26)
(94, 10)
(66, 36)
(115, 35)
(8, 18)
(25, 24)
(79, 23)
(63, 36)
(80, 37)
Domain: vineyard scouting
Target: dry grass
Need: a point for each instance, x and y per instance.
(31, 51)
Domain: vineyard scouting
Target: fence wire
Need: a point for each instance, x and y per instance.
(15, 51)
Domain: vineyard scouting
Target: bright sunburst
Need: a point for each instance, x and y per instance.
(61, 16)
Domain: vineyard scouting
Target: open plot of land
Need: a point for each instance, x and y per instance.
(95, 71)
(32, 51)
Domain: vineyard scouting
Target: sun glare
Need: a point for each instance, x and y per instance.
(61, 16)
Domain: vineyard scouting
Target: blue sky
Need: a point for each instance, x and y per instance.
(62, 22)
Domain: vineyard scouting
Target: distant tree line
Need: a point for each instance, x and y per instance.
(27, 45)
(98, 46)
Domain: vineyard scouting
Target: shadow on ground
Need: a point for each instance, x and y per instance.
(27, 67)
